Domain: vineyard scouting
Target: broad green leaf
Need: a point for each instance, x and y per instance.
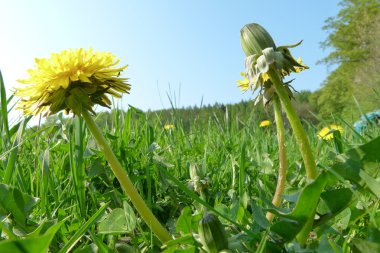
(130, 216)
(16, 202)
(374, 234)
(119, 221)
(309, 198)
(325, 246)
(333, 202)
(272, 247)
(358, 164)
(305, 207)
(96, 168)
(237, 212)
(259, 215)
(364, 246)
(28, 245)
(114, 223)
(42, 228)
(370, 151)
(337, 199)
(348, 167)
(287, 229)
(33, 244)
(342, 220)
(371, 183)
(184, 222)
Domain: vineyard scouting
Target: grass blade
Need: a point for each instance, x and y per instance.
(4, 112)
(12, 158)
(77, 163)
(82, 230)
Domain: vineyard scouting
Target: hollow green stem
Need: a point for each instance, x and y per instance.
(281, 155)
(302, 142)
(299, 132)
(203, 197)
(141, 207)
(303, 235)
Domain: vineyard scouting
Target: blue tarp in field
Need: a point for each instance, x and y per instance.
(365, 120)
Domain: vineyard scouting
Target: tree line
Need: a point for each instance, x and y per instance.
(352, 88)
(354, 84)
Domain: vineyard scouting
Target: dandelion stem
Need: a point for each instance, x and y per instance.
(302, 142)
(282, 156)
(304, 233)
(141, 207)
(299, 132)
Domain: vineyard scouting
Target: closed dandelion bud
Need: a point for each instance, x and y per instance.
(198, 179)
(196, 172)
(263, 55)
(212, 234)
(254, 38)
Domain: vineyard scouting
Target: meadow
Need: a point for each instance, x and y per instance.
(59, 195)
(229, 178)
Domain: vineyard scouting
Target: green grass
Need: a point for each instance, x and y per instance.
(64, 179)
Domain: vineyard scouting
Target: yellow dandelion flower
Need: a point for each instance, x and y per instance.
(327, 133)
(297, 68)
(243, 84)
(265, 77)
(168, 127)
(72, 80)
(265, 123)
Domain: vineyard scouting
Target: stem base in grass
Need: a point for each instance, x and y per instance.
(122, 176)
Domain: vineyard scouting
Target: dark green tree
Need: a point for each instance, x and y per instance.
(354, 36)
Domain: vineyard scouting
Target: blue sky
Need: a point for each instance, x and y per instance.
(190, 48)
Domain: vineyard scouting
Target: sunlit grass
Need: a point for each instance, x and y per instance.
(66, 178)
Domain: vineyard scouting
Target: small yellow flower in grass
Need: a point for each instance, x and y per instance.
(72, 80)
(265, 123)
(168, 127)
(327, 133)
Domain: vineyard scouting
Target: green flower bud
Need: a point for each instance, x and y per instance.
(198, 179)
(263, 55)
(254, 38)
(196, 172)
(212, 234)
